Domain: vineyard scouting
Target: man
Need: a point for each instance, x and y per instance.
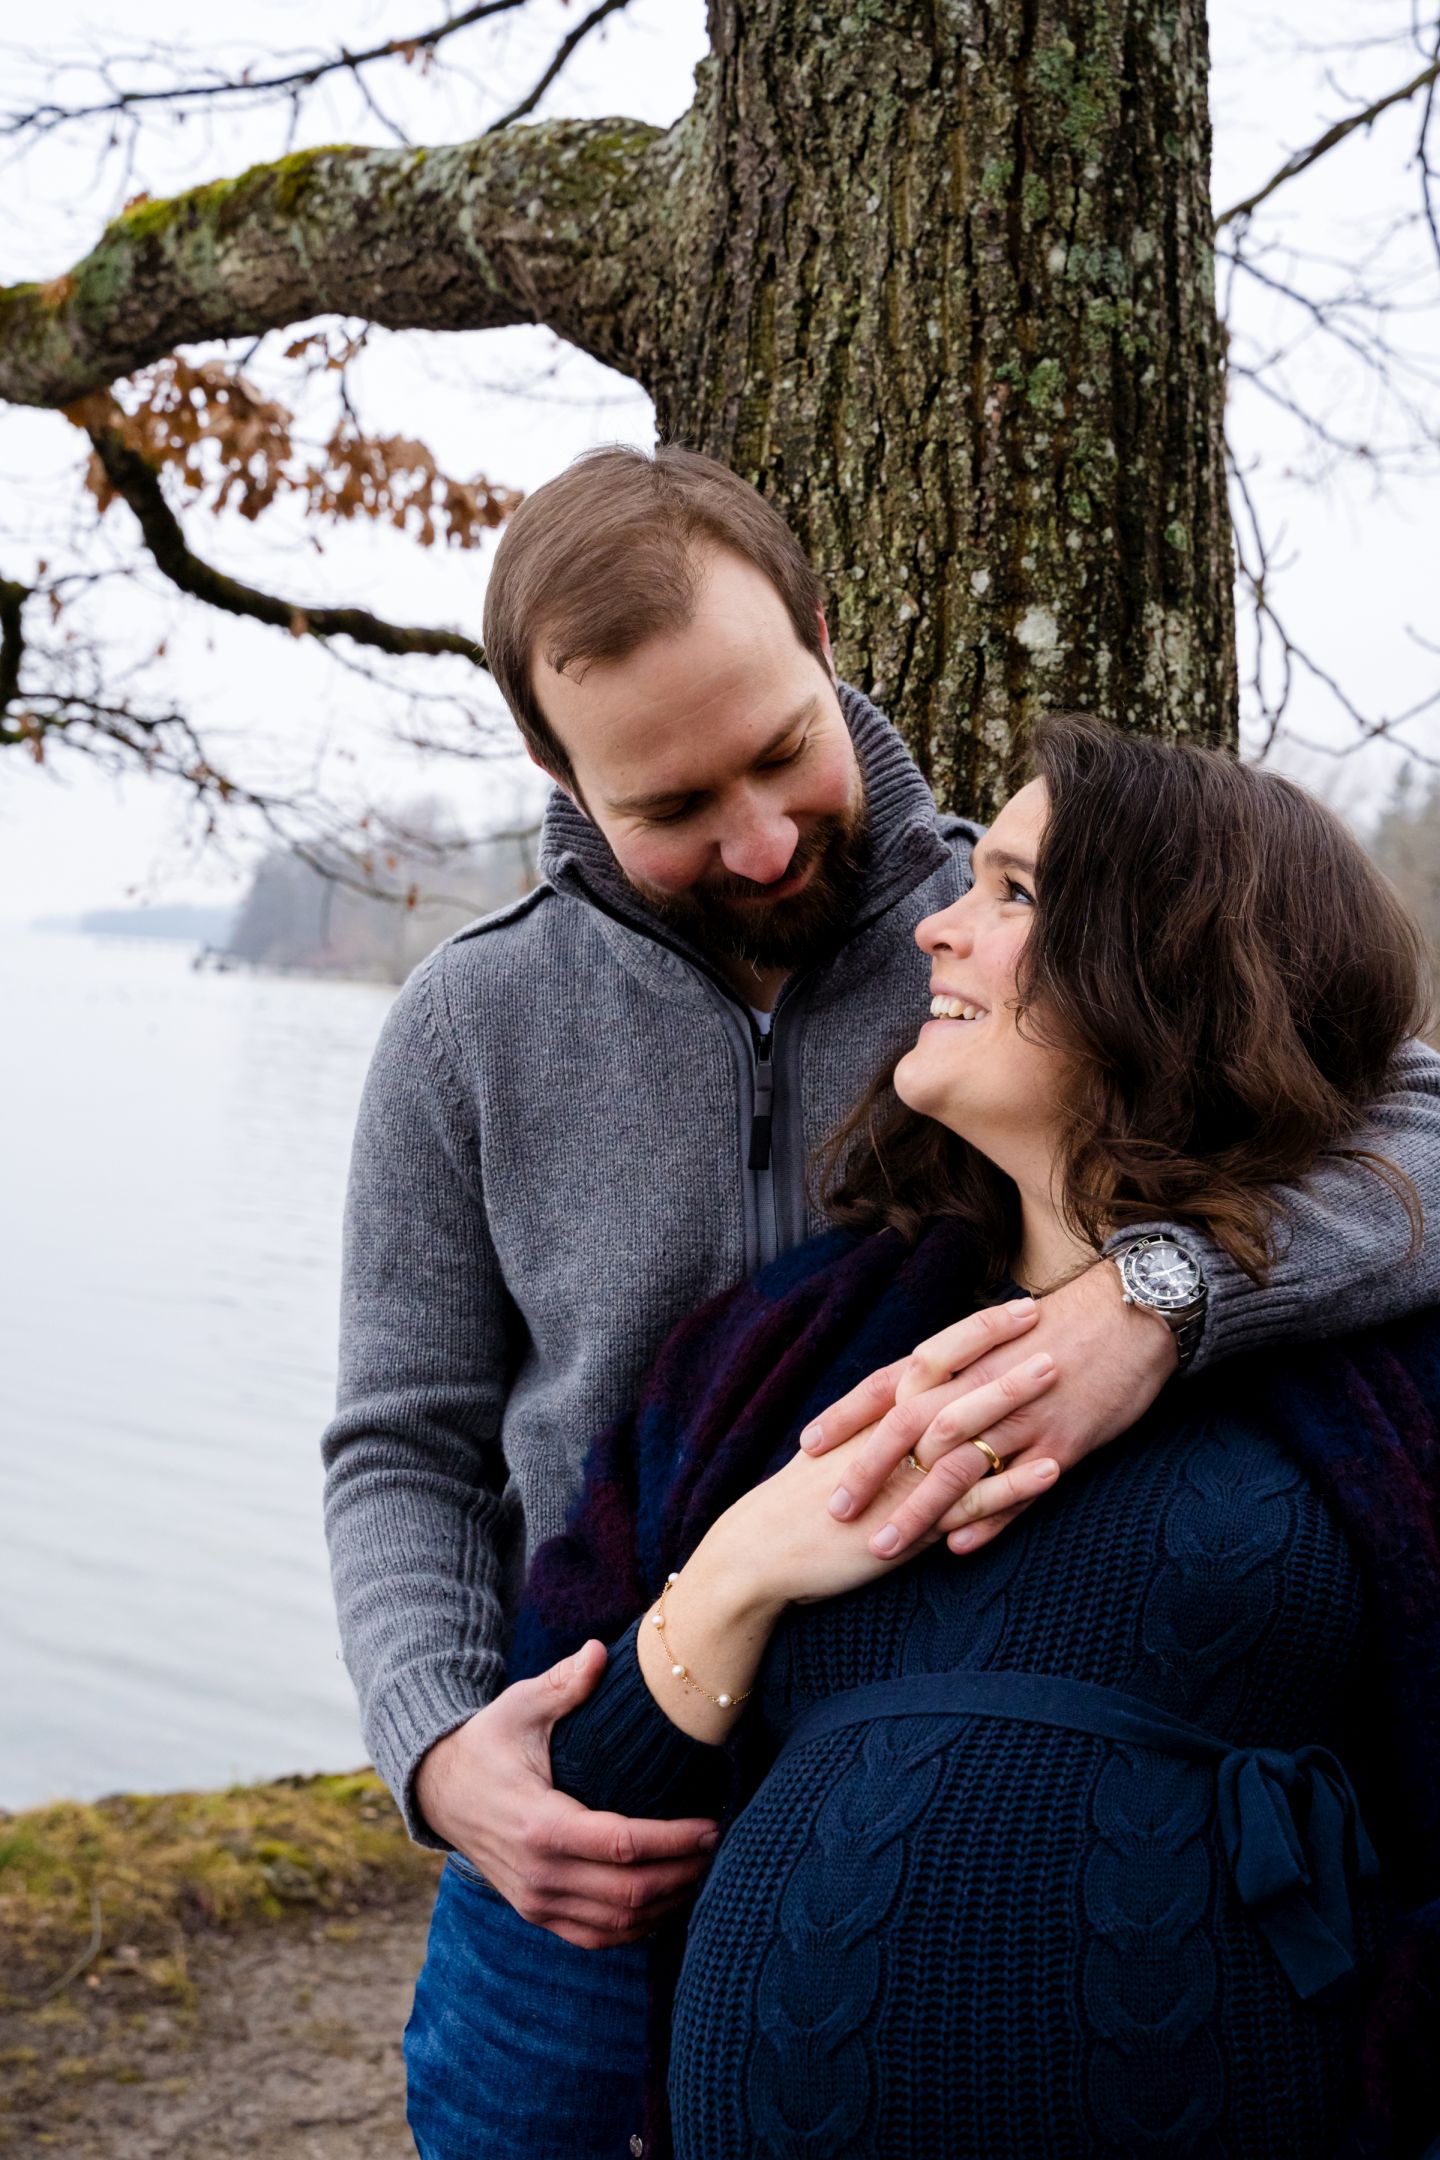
(593, 1110)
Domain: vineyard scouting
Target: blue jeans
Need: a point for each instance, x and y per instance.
(520, 2046)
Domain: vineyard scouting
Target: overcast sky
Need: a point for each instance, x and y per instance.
(516, 406)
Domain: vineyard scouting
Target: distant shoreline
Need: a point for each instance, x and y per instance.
(173, 921)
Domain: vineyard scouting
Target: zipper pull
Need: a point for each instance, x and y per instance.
(764, 1097)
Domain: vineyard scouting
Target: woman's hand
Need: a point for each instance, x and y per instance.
(1111, 1362)
(784, 1543)
(779, 1545)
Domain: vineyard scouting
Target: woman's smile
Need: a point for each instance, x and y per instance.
(944, 1007)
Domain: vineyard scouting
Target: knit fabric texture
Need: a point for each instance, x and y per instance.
(986, 1936)
(551, 1167)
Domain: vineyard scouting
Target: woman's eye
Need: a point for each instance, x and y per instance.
(1018, 892)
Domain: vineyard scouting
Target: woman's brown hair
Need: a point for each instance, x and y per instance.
(1228, 977)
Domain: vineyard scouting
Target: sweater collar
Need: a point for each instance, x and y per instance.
(905, 840)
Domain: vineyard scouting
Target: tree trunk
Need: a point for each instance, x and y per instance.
(948, 300)
(934, 274)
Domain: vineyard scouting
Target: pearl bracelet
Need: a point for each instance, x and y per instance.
(657, 1621)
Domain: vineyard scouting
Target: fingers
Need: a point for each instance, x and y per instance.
(870, 1400)
(585, 1895)
(1015, 1434)
(570, 1833)
(961, 1468)
(932, 1426)
(934, 1362)
(900, 1430)
(942, 1356)
(604, 1877)
(596, 1925)
(972, 1537)
(940, 1508)
(1003, 1494)
(551, 1695)
(602, 1933)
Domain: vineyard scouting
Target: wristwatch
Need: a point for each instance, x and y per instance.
(1160, 1275)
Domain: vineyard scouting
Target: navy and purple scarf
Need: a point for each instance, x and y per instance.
(735, 1383)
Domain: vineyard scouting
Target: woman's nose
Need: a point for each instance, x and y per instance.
(945, 932)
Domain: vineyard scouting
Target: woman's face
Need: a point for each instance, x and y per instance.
(996, 1087)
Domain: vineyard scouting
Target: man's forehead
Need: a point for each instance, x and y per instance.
(699, 760)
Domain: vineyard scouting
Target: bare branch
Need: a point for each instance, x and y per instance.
(135, 480)
(1304, 159)
(576, 37)
(293, 80)
(1429, 175)
(1255, 560)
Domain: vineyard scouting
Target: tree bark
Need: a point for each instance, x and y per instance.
(951, 306)
(934, 274)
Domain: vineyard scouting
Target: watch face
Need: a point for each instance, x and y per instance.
(1163, 1274)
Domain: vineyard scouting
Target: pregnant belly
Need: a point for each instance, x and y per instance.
(924, 1937)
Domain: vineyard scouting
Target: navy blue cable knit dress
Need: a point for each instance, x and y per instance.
(987, 1938)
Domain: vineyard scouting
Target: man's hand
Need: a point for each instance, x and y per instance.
(1111, 1362)
(593, 1879)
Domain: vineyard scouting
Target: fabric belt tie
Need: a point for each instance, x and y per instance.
(1289, 1824)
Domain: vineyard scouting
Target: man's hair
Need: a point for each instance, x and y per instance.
(1228, 977)
(610, 554)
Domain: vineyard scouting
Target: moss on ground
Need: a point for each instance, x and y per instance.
(146, 1871)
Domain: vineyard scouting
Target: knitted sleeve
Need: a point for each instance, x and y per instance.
(414, 1473)
(1344, 1235)
(619, 1751)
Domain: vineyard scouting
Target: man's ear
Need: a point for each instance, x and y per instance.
(566, 787)
(825, 643)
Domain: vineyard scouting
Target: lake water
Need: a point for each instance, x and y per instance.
(172, 1172)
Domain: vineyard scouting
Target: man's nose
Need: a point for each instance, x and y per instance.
(761, 851)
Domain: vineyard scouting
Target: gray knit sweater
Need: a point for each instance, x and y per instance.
(571, 1136)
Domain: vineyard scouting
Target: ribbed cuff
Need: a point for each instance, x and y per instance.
(417, 1707)
(619, 1751)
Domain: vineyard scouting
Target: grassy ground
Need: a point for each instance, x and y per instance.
(249, 1949)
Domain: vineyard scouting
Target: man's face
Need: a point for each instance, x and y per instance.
(717, 764)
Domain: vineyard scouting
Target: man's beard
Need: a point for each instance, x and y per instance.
(717, 920)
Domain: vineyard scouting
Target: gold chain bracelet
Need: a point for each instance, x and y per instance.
(721, 1701)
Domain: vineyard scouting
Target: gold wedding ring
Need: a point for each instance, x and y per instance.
(990, 1456)
(910, 1458)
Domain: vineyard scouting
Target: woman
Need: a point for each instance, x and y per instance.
(1068, 1849)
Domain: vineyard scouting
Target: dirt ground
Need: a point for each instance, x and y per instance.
(287, 2045)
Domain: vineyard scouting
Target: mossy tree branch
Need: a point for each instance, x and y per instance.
(550, 224)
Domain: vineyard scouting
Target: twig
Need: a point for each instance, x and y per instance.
(1304, 159)
(577, 35)
(78, 1965)
(1422, 152)
(46, 117)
